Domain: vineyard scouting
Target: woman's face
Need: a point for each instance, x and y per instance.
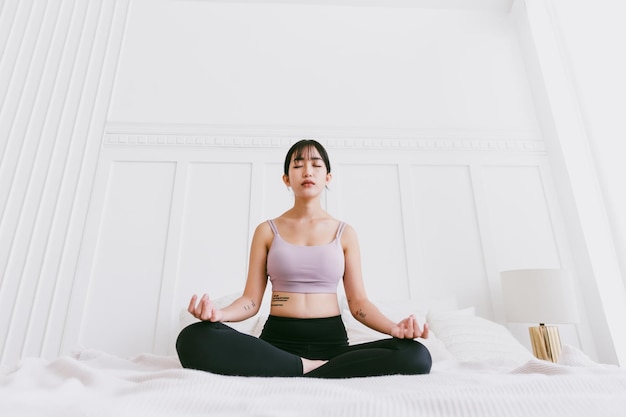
(308, 175)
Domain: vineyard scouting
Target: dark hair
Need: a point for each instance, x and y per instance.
(300, 147)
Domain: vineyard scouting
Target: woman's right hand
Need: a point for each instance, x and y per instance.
(204, 309)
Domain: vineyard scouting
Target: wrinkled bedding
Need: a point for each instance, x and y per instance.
(93, 383)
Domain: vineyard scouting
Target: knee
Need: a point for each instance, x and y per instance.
(192, 341)
(416, 358)
(187, 338)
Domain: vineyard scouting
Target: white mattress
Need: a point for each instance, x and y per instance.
(92, 383)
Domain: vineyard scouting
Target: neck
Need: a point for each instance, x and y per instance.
(307, 209)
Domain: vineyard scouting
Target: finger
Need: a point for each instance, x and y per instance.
(425, 331)
(213, 311)
(412, 326)
(407, 327)
(400, 331)
(206, 308)
(214, 314)
(210, 310)
(197, 310)
(418, 328)
(192, 304)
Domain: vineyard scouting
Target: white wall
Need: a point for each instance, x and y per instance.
(590, 199)
(269, 69)
(276, 64)
(597, 60)
(118, 118)
(596, 57)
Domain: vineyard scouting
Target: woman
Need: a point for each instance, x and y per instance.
(305, 252)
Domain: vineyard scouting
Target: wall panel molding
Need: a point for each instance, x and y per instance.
(479, 140)
(452, 220)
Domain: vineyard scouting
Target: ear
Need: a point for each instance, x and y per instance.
(329, 177)
(286, 180)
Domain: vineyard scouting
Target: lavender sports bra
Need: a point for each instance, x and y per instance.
(305, 269)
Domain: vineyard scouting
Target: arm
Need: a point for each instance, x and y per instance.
(360, 306)
(249, 303)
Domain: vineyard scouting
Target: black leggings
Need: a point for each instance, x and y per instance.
(218, 348)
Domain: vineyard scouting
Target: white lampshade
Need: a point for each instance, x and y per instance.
(538, 296)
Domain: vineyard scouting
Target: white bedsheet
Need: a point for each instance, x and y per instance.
(92, 383)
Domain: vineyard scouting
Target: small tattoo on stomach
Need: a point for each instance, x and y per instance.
(278, 300)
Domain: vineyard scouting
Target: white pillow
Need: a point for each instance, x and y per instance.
(357, 332)
(436, 347)
(469, 337)
(258, 328)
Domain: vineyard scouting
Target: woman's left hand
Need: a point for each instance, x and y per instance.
(409, 329)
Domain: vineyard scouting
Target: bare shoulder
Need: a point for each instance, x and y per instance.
(263, 227)
(263, 233)
(348, 229)
(349, 236)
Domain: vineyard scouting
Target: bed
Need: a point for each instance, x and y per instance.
(479, 369)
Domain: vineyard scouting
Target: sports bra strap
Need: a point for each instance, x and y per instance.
(273, 226)
(342, 225)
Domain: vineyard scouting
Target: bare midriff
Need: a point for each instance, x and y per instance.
(304, 306)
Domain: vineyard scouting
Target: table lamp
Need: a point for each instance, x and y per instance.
(539, 296)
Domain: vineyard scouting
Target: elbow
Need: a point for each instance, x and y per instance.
(251, 305)
(256, 306)
(358, 308)
(359, 314)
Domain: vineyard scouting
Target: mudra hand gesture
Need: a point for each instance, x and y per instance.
(409, 329)
(204, 309)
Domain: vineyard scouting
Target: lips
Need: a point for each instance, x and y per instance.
(308, 183)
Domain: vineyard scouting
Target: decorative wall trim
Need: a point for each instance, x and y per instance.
(377, 139)
(57, 68)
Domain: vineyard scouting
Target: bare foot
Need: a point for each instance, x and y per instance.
(309, 365)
